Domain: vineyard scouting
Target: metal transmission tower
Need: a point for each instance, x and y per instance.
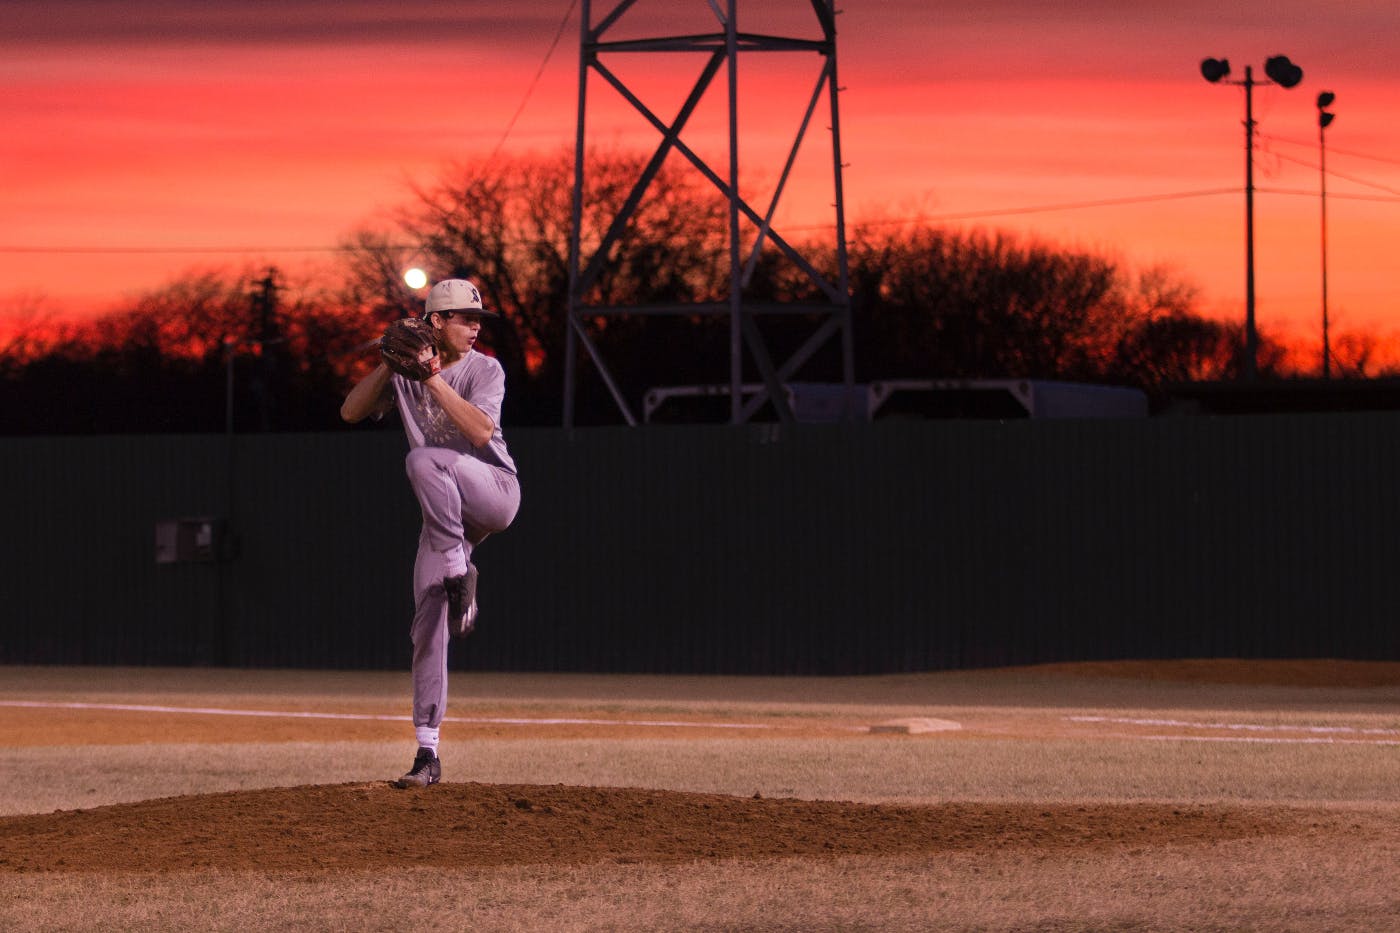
(749, 228)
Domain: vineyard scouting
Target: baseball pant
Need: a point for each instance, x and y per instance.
(463, 500)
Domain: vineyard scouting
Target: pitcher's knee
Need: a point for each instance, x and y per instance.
(419, 463)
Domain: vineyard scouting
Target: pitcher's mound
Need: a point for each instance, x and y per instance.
(359, 826)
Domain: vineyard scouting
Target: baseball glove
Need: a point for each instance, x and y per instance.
(409, 347)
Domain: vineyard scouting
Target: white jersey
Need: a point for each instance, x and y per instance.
(476, 377)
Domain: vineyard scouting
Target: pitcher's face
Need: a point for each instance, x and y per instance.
(461, 329)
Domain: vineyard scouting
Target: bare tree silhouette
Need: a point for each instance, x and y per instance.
(929, 303)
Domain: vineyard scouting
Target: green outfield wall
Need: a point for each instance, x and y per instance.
(894, 546)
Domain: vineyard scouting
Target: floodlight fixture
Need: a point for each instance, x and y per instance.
(1282, 71)
(1214, 69)
(1325, 100)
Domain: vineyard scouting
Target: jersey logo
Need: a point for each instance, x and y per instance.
(438, 429)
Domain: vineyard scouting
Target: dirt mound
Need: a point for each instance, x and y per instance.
(358, 826)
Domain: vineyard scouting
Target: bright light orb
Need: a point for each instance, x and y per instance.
(415, 278)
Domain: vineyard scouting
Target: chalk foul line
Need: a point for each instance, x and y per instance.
(1311, 735)
(299, 714)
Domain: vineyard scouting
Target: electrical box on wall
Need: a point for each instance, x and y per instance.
(191, 540)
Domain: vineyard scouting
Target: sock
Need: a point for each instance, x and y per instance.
(427, 738)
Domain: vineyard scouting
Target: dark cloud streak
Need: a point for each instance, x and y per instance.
(76, 23)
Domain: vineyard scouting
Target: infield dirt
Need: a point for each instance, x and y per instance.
(1168, 795)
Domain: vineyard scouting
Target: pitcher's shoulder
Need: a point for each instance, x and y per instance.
(479, 365)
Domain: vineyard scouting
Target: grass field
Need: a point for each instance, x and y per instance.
(1131, 796)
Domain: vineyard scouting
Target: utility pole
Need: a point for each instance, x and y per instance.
(1324, 120)
(264, 306)
(1251, 333)
(1285, 74)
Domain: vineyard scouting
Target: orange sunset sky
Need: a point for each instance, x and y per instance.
(146, 139)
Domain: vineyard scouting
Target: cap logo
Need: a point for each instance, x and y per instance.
(455, 295)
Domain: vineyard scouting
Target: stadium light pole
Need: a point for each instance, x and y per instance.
(1285, 74)
(1324, 120)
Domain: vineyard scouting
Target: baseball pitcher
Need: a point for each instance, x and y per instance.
(449, 398)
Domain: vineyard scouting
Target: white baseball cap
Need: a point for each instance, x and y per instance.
(455, 295)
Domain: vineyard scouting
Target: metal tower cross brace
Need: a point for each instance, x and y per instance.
(723, 48)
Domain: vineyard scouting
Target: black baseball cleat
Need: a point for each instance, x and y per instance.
(461, 602)
(427, 769)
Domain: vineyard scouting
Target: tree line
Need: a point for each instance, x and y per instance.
(928, 303)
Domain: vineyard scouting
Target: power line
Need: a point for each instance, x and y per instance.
(1312, 144)
(538, 74)
(883, 221)
(1330, 195)
(1082, 205)
(1039, 208)
(1350, 178)
(927, 218)
(162, 250)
